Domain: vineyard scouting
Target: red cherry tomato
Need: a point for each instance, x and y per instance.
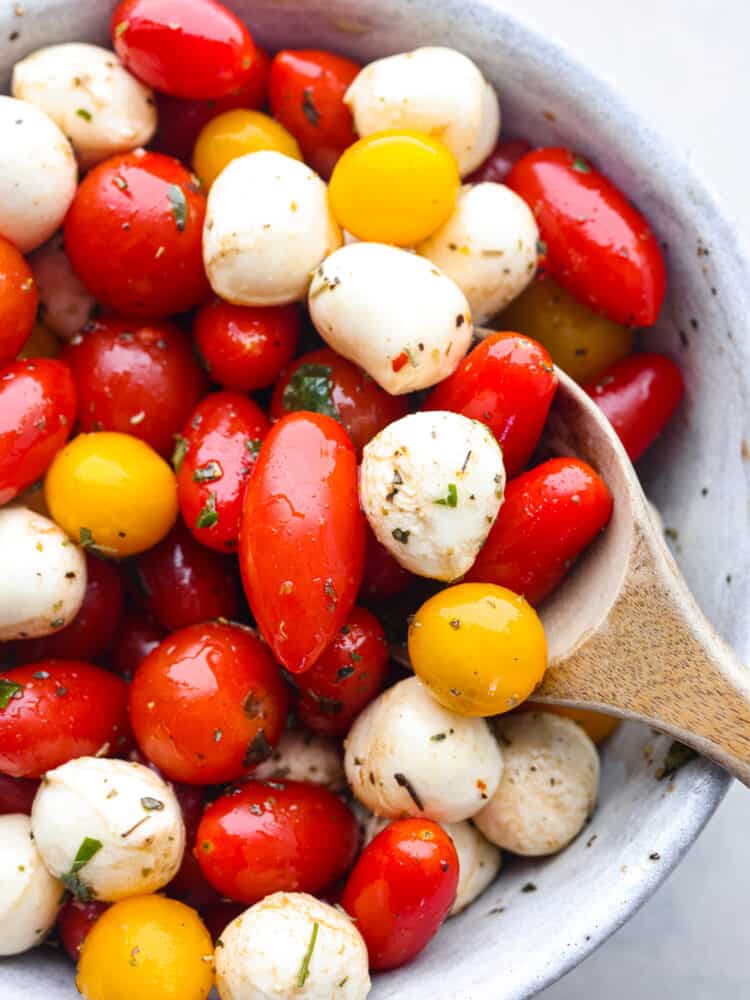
(346, 677)
(401, 889)
(74, 922)
(302, 537)
(507, 382)
(324, 382)
(144, 211)
(549, 515)
(275, 836)
(195, 49)
(57, 710)
(189, 884)
(182, 583)
(37, 410)
(306, 93)
(18, 301)
(246, 347)
(208, 704)
(217, 916)
(17, 795)
(138, 636)
(383, 577)
(598, 246)
(139, 378)
(214, 459)
(639, 394)
(498, 164)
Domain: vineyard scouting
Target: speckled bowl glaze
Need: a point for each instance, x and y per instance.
(512, 943)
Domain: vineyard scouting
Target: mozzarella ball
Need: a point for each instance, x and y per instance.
(431, 485)
(268, 226)
(38, 175)
(291, 944)
(406, 755)
(90, 95)
(392, 313)
(29, 896)
(549, 785)
(127, 807)
(434, 90)
(304, 756)
(64, 304)
(488, 247)
(43, 581)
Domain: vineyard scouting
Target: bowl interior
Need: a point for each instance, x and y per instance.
(513, 941)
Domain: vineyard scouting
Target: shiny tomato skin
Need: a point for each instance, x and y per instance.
(74, 922)
(246, 347)
(302, 537)
(67, 709)
(145, 210)
(138, 636)
(37, 410)
(507, 382)
(17, 794)
(598, 246)
(278, 836)
(208, 704)
(189, 884)
(183, 583)
(18, 301)
(196, 50)
(215, 458)
(383, 577)
(549, 515)
(347, 393)
(346, 677)
(638, 394)
(306, 94)
(499, 163)
(401, 890)
(139, 378)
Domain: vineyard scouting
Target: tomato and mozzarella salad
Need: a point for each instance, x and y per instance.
(255, 438)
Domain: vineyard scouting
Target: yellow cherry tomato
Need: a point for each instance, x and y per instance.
(580, 341)
(235, 133)
(479, 648)
(112, 493)
(394, 187)
(146, 948)
(42, 343)
(596, 725)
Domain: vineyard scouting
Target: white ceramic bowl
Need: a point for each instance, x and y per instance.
(512, 943)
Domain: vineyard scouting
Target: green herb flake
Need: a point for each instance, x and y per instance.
(401, 536)
(121, 28)
(9, 690)
(304, 969)
(57, 623)
(677, 757)
(41, 675)
(343, 982)
(343, 672)
(541, 248)
(308, 107)
(437, 737)
(581, 165)
(208, 516)
(180, 450)
(253, 446)
(71, 879)
(451, 500)
(217, 735)
(178, 202)
(207, 473)
(83, 113)
(86, 538)
(121, 183)
(311, 388)
(151, 805)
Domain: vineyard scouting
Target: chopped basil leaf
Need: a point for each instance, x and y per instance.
(304, 969)
(451, 500)
(311, 388)
(253, 446)
(57, 623)
(121, 28)
(121, 183)
(179, 205)
(83, 113)
(308, 107)
(541, 248)
(71, 879)
(8, 690)
(41, 675)
(151, 805)
(217, 735)
(403, 782)
(87, 541)
(208, 516)
(180, 450)
(401, 536)
(343, 672)
(207, 473)
(580, 164)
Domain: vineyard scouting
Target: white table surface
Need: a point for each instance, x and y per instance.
(684, 65)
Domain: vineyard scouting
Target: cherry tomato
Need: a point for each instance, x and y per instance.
(138, 636)
(18, 301)
(197, 50)
(401, 890)
(189, 884)
(218, 916)
(37, 410)
(145, 210)
(639, 394)
(498, 164)
(74, 922)
(395, 186)
(596, 725)
(549, 515)
(17, 794)
(383, 577)
(275, 836)
(208, 703)
(134, 377)
(183, 583)
(302, 537)
(306, 93)
(57, 710)
(598, 246)
(324, 382)
(246, 347)
(508, 383)
(214, 459)
(237, 133)
(346, 677)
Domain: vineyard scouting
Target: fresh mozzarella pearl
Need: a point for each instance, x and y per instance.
(38, 175)
(64, 304)
(549, 784)
(304, 756)
(90, 95)
(127, 807)
(434, 90)
(273, 950)
(43, 579)
(488, 247)
(392, 313)
(431, 485)
(29, 896)
(268, 226)
(406, 755)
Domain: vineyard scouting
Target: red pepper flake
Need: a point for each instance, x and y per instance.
(398, 362)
